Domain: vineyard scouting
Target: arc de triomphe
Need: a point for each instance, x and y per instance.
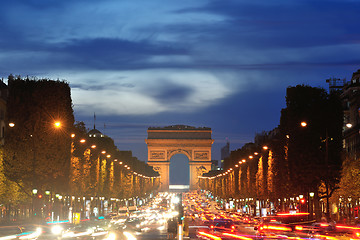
(165, 142)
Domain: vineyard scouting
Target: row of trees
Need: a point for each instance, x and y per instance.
(98, 168)
(40, 155)
(299, 159)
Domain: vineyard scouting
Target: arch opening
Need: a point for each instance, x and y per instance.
(179, 169)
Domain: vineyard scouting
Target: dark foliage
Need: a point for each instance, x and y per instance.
(315, 150)
(36, 152)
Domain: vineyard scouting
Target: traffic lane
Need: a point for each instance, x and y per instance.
(28, 231)
(240, 232)
(222, 235)
(246, 229)
(158, 230)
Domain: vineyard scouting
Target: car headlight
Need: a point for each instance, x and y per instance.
(56, 229)
(111, 236)
(129, 236)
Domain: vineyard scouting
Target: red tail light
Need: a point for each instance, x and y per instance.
(298, 228)
(211, 226)
(232, 227)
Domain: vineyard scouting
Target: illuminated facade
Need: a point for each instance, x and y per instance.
(195, 143)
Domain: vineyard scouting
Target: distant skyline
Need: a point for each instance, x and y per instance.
(220, 64)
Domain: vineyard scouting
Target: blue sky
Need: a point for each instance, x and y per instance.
(222, 64)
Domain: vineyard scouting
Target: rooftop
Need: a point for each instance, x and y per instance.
(179, 127)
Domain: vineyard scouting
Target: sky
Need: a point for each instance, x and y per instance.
(221, 64)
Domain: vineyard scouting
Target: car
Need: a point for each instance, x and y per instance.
(292, 225)
(222, 225)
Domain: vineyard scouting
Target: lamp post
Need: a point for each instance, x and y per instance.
(34, 192)
(349, 210)
(311, 196)
(49, 204)
(327, 175)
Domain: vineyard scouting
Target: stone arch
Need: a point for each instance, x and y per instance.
(194, 143)
(172, 153)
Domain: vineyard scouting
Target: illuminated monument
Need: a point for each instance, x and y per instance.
(165, 142)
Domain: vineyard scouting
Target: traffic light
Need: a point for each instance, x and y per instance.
(302, 205)
(180, 209)
(39, 196)
(181, 214)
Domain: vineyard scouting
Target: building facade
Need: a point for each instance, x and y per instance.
(351, 102)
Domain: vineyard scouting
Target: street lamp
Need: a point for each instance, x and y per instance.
(311, 209)
(57, 124)
(349, 208)
(34, 192)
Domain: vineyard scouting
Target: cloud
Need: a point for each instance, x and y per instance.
(147, 92)
(203, 35)
(171, 92)
(100, 87)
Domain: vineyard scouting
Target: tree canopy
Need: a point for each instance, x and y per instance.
(36, 152)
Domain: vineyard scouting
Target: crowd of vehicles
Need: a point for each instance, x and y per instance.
(100, 229)
(118, 225)
(203, 219)
(215, 223)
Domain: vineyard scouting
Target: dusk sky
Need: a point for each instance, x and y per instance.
(222, 64)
